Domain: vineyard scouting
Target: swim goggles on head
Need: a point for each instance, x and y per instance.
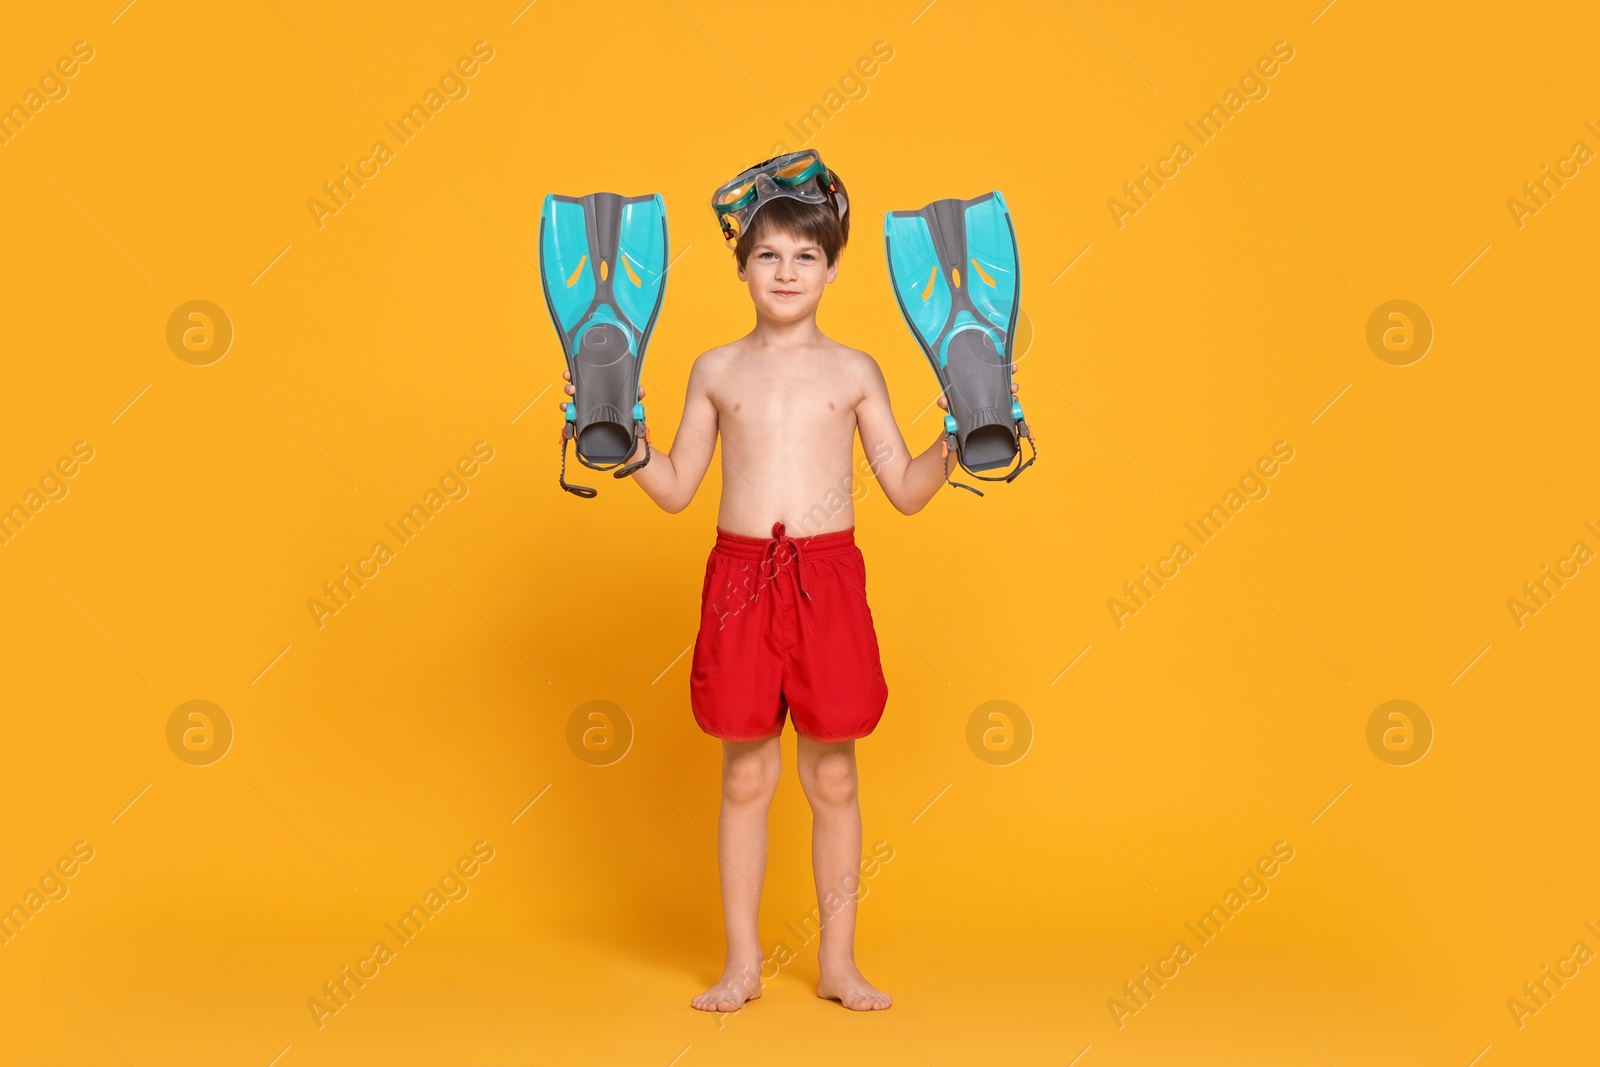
(800, 175)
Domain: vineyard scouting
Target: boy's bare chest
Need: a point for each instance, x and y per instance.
(763, 398)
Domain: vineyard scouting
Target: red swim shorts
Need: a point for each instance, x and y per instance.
(785, 627)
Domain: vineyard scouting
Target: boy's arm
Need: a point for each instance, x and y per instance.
(671, 478)
(908, 482)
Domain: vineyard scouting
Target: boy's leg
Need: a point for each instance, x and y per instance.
(749, 779)
(828, 775)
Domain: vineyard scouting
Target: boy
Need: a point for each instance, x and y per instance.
(784, 624)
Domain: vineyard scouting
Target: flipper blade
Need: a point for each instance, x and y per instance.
(923, 289)
(957, 277)
(603, 265)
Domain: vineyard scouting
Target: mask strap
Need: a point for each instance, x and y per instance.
(841, 203)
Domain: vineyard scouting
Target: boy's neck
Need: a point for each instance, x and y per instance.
(801, 333)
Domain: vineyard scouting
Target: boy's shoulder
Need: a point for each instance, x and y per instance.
(853, 359)
(855, 365)
(714, 359)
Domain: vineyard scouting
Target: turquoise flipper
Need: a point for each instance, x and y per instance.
(603, 267)
(956, 275)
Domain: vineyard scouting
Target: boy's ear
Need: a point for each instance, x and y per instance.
(833, 268)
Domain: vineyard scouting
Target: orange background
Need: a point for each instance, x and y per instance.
(1231, 712)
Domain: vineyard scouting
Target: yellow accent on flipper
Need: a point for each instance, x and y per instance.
(573, 280)
(635, 278)
(605, 269)
(933, 272)
(983, 274)
(955, 277)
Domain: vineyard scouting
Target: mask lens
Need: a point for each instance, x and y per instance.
(735, 197)
(800, 169)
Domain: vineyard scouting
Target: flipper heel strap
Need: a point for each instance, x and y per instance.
(949, 450)
(1023, 434)
(638, 434)
(1033, 448)
(576, 490)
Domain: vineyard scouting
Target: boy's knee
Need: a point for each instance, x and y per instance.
(750, 782)
(831, 783)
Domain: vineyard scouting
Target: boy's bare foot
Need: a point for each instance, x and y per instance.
(845, 984)
(737, 985)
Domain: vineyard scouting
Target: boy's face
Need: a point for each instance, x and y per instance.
(786, 275)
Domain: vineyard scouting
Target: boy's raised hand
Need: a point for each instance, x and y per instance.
(571, 389)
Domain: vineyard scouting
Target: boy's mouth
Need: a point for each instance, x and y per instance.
(785, 292)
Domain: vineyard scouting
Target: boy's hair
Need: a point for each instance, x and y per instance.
(819, 223)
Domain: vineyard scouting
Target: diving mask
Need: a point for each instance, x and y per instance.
(801, 175)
